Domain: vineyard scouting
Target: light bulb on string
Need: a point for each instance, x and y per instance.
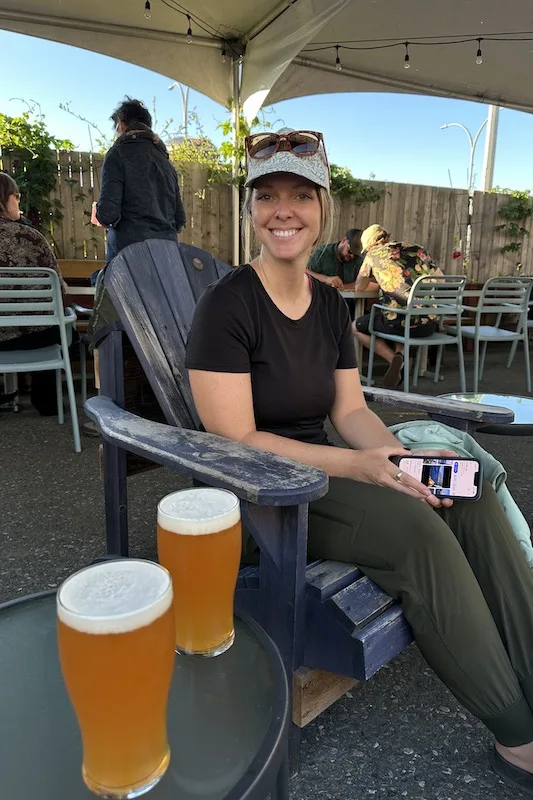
(223, 54)
(147, 10)
(406, 61)
(479, 55)
(338, 65)
(189, 30)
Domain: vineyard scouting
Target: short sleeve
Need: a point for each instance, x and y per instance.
(315, 259)
(347, 357)
(220, 335)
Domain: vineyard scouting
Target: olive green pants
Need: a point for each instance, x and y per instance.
(464, 584)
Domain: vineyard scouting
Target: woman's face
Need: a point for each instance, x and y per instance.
(286, 215)
(12, 206)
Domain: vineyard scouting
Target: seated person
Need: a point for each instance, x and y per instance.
(270, 355)
(394, 267)
(338, 263)
(24, 246)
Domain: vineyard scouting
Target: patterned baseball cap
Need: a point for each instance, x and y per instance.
(314, 168)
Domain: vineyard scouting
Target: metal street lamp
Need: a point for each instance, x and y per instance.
(184, 106)
(473, 142)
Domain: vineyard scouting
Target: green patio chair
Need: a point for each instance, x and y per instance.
(41, 306)
(441, 297)
(499, 296)
(529, 326)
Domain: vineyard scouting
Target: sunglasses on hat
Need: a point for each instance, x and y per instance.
(260, 146)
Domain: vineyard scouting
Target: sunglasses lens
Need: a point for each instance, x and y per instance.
(262, 145)
(304, 143)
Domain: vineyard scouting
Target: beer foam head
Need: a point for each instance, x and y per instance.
(198, 511)
(115, 596)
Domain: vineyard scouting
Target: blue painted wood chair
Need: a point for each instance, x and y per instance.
(326, 615)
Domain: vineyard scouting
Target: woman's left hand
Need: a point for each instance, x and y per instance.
(446, 502)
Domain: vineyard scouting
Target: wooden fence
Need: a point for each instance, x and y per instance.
(435, 217)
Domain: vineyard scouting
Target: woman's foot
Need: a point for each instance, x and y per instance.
(393, 376)
(514, 765)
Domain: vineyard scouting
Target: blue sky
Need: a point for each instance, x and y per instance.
(394, 137)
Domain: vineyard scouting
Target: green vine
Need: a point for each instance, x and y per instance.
(516, 211)
(33, 165)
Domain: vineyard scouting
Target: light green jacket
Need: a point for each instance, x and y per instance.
(427, 435)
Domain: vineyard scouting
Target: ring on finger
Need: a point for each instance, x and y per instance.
(399, 475)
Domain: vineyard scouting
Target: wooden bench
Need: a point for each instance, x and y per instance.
(324, 616)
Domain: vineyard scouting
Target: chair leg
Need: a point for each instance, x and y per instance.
(406, 369)
(438, 363)
(370, 365)
(482, 363)
(476, 364)
(59, 394)
(461, 359)
(527, 361)
(116, 500)
(83, 371)
(417, 366)
(512, 353)
(72, 406)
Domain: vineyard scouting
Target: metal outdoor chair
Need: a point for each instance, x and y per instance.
(529, 326)
(24, 305)
(440, 297)
(499, 296)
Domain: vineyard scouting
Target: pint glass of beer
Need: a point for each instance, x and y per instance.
(116, 648)
(199, 542)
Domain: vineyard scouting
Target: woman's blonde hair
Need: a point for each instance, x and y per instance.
(327, 212)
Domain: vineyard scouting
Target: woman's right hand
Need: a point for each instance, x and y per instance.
(374, 466)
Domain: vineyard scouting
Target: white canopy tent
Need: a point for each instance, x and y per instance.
(246, 53)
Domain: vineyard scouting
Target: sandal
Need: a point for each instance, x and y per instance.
(393, 376)
(511, 774)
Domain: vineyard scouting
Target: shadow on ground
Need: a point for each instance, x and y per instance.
(401, 735)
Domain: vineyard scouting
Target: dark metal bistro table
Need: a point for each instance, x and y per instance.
(228, 717)
(522, 407)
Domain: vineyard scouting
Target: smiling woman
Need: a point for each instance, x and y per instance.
(270, 356)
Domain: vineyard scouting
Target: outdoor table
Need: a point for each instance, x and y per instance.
(522, 407)
(228, 716)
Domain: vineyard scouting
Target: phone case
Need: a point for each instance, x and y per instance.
(398, 461)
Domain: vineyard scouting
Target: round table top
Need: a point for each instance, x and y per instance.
(226, 715)
(522, 407)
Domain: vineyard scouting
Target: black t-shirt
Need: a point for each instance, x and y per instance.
(238, 328)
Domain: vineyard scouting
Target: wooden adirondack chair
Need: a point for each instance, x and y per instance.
(326, 617)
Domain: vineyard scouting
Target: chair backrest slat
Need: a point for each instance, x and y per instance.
(440, 295)
(505, 295)
(29, 296)
(154, 287)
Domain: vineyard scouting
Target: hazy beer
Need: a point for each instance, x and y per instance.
(116, 647)
(199, 542)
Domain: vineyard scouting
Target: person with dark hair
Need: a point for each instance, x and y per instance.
(140, 197)
(24, 246)
(338, 263)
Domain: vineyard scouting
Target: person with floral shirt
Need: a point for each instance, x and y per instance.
(392, 268)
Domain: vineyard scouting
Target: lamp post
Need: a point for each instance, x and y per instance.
(472, 140)
(184, 106)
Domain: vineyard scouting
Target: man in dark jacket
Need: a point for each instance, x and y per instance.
(140, 197)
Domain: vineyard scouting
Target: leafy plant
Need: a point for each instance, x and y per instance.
(515, 211)
(33, 163)
(345, 185)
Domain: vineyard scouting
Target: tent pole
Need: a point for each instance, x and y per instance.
(235, 194)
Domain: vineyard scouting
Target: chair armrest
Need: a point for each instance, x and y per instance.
(438, 406)
(254, 475)
(81, 310)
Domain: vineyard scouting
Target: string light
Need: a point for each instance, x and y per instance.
(338, 65)
(406, 62)
(223, 54)
(189, 30)
(479, 56)
(147, 10)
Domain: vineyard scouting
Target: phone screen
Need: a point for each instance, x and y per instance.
(445, 477)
